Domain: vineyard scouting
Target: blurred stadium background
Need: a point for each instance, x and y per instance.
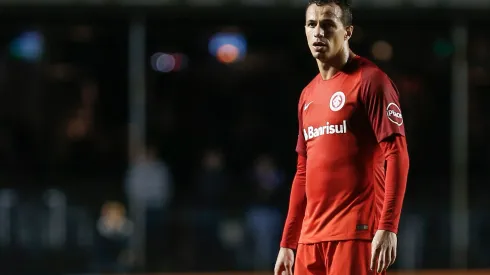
(159, 135)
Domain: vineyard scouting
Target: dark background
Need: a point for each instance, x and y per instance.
(246, 111)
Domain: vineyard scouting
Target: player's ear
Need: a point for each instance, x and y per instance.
(348, 32)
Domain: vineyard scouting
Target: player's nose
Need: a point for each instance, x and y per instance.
(318, 32)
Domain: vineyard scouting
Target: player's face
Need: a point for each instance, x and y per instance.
(325, 32)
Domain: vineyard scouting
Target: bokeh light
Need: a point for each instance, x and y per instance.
(166, 62)
(382, 50)
(228, 53)
(28, 46)
(228, 47)
(443, 48)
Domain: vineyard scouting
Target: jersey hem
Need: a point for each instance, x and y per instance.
(337, 239)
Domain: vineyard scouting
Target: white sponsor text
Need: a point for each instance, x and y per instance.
(327, 129)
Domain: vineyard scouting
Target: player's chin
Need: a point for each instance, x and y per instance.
(320, 55)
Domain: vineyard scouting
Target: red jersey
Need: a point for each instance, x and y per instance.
(342, 120)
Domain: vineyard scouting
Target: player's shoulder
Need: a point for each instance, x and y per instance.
(370, 72)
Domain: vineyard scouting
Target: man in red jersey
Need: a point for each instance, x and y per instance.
(352, 169)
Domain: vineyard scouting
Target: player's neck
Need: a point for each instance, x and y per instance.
(336, 64)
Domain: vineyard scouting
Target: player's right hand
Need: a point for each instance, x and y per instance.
(285, 262)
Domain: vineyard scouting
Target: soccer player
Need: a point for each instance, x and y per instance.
(352, 167)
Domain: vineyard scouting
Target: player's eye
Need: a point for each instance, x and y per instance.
(328, 26)
(311, 24)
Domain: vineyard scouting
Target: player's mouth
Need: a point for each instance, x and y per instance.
(318, 46)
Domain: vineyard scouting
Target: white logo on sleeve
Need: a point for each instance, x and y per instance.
(337, 101)
(307, 105)
(394, 114)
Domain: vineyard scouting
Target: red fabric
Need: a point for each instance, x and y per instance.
(345, 124)
(297, 206)
(334, 258)
(397, 164)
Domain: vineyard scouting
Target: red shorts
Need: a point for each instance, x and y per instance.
(334, 258)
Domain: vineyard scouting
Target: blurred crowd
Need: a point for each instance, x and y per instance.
(209, 189)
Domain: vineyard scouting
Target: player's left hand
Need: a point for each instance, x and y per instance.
(383, 250)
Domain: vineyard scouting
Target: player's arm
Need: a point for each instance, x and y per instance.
(297, 201)
(397, 163)
(381, 100)
(297, 206)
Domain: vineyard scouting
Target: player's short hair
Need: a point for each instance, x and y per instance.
(345, 6)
